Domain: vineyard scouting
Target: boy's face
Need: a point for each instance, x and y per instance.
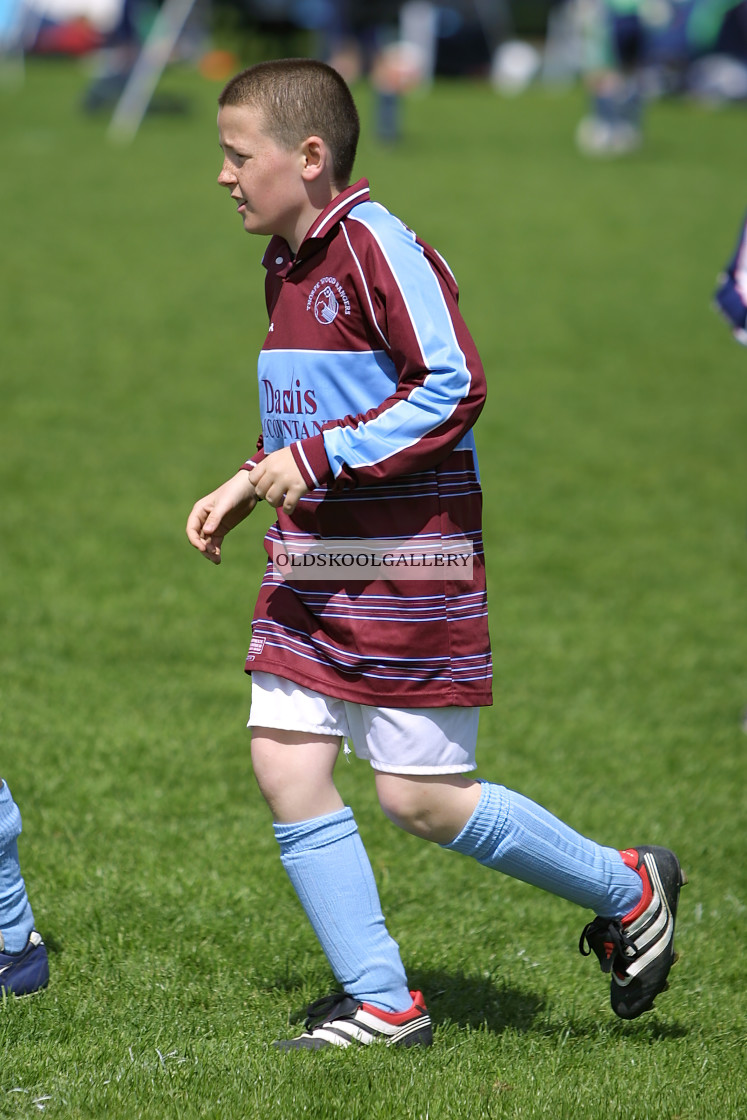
(265, 180)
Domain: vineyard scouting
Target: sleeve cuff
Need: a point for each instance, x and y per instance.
(311, 459)
(255, 460)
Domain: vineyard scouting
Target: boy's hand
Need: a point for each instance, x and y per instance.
(278, 480)
(217, 513)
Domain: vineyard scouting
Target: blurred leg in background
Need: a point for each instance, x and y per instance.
(23, 958)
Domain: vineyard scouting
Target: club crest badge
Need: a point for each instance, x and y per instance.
(326, 300)
(326, 306)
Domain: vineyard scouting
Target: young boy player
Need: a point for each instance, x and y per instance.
(369, 388)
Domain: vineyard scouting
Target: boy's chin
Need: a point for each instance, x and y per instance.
(251, 226)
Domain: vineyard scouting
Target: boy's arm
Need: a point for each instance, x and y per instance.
(412, 300)
(216, 514)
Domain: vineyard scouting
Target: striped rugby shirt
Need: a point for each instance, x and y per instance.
(369, 374)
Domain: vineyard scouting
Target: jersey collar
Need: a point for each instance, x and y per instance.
(278, 256)
(338, 208)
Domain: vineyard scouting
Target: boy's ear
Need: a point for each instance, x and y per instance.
(316, 158)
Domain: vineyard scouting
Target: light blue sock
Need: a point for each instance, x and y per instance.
(16, 918)
(514, 835)
(328, 866)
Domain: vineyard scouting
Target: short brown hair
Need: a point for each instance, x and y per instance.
(300, 97)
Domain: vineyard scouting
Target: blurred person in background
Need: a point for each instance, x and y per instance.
(635, 49)
(730, 299)
(115, 60)
(616, 51)
(363, 38)
(731, 294)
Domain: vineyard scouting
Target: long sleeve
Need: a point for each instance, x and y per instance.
(411, 300)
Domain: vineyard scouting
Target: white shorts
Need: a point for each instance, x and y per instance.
(395, 740)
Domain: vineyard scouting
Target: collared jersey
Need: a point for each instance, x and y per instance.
(369, 374)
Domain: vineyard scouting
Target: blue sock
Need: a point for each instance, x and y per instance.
(16, 919)
(514, 835)
(328, 866)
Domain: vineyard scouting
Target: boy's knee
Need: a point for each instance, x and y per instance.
(294, 775)
(396, 800)
(273, 771)
(434, 807)
(413, 805)
(268, 779)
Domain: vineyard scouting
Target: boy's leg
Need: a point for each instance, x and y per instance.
(636, 892)
(16, 918)
(23, 957)
(327, 864)
(506, 831)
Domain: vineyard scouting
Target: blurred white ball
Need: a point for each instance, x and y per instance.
(515, 66)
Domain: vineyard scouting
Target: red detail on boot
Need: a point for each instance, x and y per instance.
(399, 1017)
(630, 858)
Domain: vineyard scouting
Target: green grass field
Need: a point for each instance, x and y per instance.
(613, 458)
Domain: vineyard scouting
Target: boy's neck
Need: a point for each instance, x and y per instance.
(318, 203)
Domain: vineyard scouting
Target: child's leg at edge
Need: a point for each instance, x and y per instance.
(327, 864)
(16, 917)
(506, 831)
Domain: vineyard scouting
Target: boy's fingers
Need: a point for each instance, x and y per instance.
(212, 551)
(292, 498)
(255, 475)
(195, 526)
(277, 494)
(265, 490)
(215, 517)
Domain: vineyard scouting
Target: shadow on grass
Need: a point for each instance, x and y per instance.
(650, 1029)
(452, 997)
(482, 1004)
(647, 1029)
(472, 1001)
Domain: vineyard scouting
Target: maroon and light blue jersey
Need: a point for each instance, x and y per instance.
(369, 374)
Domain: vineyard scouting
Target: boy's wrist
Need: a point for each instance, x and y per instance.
(310, 456)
